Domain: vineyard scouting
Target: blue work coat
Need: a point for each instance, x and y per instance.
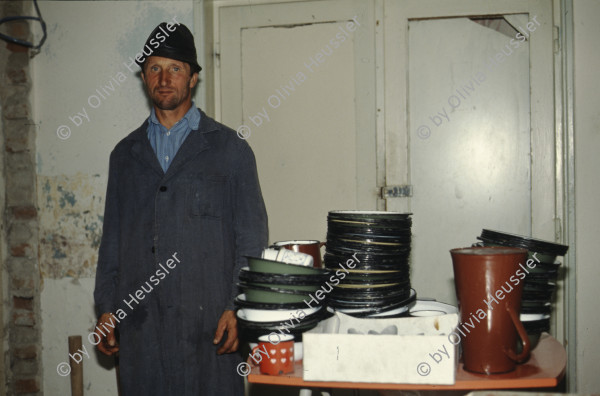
(172, 246)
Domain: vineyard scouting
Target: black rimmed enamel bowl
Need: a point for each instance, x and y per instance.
(281, 279)
(540, 292)
(544, 268)
(335, 260)
(549, 276)
(353, 298)
(345, 256)
(296, 322)
(367, 246)
(390, 307)
(532, 244)
(368, 214)
(272, 295)
(536, 307)
(368, 278)
(377, 286)
(531, 255)
(275, 315)
(257, 264)
(401, 312)
(242, 302)
(367, 230)
(534, 328)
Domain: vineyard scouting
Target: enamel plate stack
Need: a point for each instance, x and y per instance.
(277, 298)
(540, 282)
(368, 252)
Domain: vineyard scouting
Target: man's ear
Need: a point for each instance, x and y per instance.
(194, 80)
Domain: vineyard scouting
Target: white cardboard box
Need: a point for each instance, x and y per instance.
(420, 353)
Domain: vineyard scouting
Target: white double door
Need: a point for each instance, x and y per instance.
(342, 98)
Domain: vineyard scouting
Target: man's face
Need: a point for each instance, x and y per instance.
(168, 82)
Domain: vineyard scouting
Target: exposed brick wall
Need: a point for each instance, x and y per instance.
(20, 262)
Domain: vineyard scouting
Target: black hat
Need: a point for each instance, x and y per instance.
(172, 40)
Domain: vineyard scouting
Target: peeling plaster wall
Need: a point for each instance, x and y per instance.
(71, 215)
(88, 41)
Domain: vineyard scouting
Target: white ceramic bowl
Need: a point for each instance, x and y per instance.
(432, 308)
(396, 311)
(427, 313)
(532, 317)
(274, 315)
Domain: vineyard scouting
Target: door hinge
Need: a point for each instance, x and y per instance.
(396, 191)
(556, 34)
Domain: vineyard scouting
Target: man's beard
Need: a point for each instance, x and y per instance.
(167, 104)
(171, 103)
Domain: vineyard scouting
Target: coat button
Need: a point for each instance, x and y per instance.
(163, 188)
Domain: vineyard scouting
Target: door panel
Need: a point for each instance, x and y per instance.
(469, 149)
(294, 75)
(304, 149)
(486, 162)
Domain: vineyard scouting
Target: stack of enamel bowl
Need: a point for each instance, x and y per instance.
(368, 252)
(274, 298)
(540, 282)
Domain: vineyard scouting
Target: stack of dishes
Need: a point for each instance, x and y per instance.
(368, 251)
(540, 282)
(275, 296)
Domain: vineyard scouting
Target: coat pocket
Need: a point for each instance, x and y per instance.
(207, 196)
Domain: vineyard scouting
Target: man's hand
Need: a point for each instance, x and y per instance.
(227, 322)
(108, 344)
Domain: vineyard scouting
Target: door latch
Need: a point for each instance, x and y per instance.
(396, 191)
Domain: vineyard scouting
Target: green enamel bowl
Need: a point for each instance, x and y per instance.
(307, 288)
(257, 264)
(261, 294)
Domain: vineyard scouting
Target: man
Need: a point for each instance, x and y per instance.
(183, 208)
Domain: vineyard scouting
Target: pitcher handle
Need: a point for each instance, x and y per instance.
(321, 244)
(524, 355)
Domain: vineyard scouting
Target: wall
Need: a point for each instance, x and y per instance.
(587, 190)
(86, 100)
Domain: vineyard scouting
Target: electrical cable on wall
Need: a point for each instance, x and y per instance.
(22, 18)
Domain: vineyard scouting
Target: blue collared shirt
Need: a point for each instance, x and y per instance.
(166, 143)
